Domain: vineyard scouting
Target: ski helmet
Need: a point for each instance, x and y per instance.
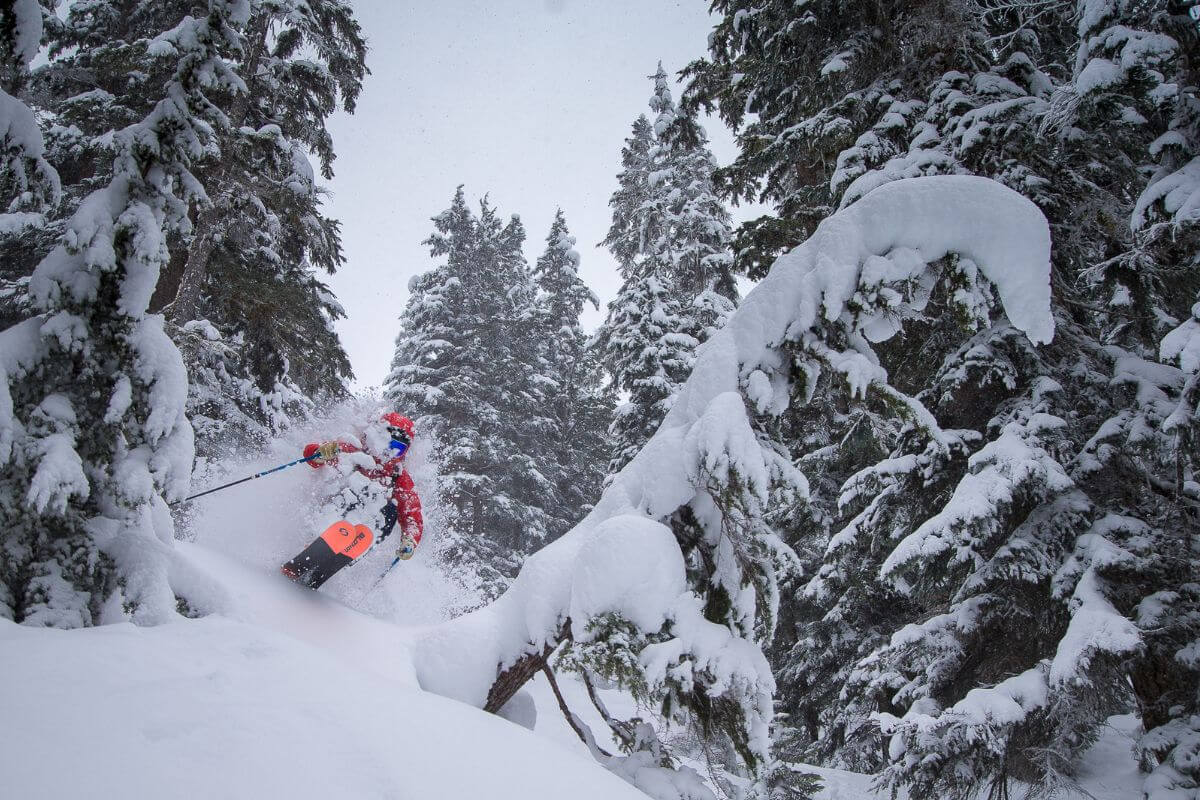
(398, 423)
(401, 429)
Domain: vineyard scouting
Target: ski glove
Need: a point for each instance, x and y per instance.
(407, 548)
(327, 451)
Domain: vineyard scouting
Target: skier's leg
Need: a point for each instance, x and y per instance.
(386, 520)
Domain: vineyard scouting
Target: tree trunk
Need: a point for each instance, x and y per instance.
(169, 278)
(1157, 685)
(510, 680)
(186, 303)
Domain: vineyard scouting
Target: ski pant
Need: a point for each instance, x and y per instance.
(389, 513)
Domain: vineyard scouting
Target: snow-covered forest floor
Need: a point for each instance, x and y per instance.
(279, 691)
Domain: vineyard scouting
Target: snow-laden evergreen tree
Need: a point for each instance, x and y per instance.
(575, 451)
(254, 260)
(92, 425)
(633, 342)
(800, 84)
(29, 185)
(1165, 266)
(468, 366)
(434, 377)
(647, 352)
(696, 228)
(671, 235)
(1025, 500)
(520, 503)
(627, 234)
(249, 267)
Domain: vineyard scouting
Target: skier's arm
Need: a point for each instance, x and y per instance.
(408, 504)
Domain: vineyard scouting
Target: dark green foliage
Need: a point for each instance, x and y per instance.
(491, 360)
(1097, 519)
(249, 262)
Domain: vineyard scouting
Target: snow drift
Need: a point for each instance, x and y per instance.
(288, 693)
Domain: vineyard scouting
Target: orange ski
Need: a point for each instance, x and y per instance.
(337, 546)
(347, 539)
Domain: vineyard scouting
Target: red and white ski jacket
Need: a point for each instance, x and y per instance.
(388, 472)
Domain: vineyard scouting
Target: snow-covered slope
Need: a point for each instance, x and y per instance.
(277, 691)
(287, 694)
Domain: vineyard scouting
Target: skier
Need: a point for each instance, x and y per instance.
(387, 443)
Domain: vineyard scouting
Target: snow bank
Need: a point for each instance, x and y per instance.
(219, 708)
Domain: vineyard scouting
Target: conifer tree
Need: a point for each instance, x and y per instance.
(801, 85)
(628, 233)
(633, 343)
(670, 235)
(434, 375)
(575, 448)
(246, 271)
(92, 425)
(995, 516)
(696, 222)
(29, 186)
(253, 261)
(467, 363)
(1162, 269)
(645, 349)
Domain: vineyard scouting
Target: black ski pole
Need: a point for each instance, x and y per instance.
(379, 580)
(252, 477)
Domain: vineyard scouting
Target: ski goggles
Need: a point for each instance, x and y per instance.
(400, 440)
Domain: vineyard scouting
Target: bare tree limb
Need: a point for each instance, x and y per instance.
(620, 728)
(590, 741)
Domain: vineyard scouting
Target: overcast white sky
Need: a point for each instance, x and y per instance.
(528, 101)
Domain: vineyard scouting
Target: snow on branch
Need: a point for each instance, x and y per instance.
(622, 559)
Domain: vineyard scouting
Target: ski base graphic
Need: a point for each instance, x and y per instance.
(339, 545)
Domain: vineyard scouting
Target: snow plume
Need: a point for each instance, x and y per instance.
(265, 522)
(93, 428)
(708, 470)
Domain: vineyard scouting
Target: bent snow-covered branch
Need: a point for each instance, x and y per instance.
(676, 546)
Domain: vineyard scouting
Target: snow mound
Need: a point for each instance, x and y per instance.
(631, 566)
